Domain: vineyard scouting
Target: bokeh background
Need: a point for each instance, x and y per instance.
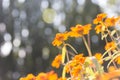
(27, 28)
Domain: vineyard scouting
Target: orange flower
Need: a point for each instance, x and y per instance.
(99, 18)
(42, 76)
(52, 75)
(76, 71)
(62, 78)
(68, 67)
(79, 58)
(117, 60)
(29, 77)
(111, 45)
(111, 68)
(60, 38)
(77, 61)
(111, 75)
(46, 76)
(76, 31)
(22, 78)
(57, 61)
(111, 21)
(98, 29)
(87, 28)
(79, 30)
(98, 57)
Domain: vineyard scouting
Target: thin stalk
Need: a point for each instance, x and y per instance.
(117, 34)
(107, 42)
(72, 48)
(110, 54)
(88, 40)
(86, 44)
(112, 38)
(67, 56)
(71, 53)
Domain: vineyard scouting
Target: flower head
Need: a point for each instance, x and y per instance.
(111, 68)
(87, 28)
(52, 75)
(76, 71)
(98, 57)
(29, 77)
(42, 76)
(60, 38)
(98, 29)
(111, 75)
(74, 66)
(99, 18)
(76, 31)
(57, 61)
(79, 30)
(117, 60)
(62, 78)
(79, 58)
(110, 45)
(111, 21)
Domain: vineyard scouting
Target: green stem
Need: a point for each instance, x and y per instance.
(88, 37)
(86, 44)
(72, 48)
(71, 53)
(67, 56)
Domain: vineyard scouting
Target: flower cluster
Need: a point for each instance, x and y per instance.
(43, 76)
(91, 67)
(77, 31)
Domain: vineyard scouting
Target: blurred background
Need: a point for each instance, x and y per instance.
(27, 28)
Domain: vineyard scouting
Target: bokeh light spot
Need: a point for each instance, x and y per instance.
(15, 13)
(22, 53)
(45, 53)
(21, 1)
(23, 15)
(16, 75)
(6, 49)
(49, 15)
(7, 37)
(16, 42)
(57, 20)
(44, 4)
(5, 4)
(2, 27)
(62, 28)
(48, 31)
(25, 32)
(94, 39)
(57, 5)
(81, 2)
